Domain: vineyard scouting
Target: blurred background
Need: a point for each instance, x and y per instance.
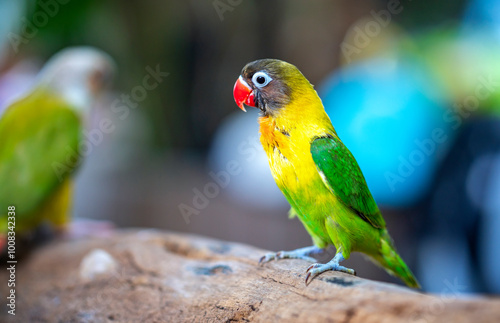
(412, 87)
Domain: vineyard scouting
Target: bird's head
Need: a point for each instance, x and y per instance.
(269, 85)
(80, 74)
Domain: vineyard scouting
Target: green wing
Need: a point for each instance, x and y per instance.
(39, 137)
(344, 178)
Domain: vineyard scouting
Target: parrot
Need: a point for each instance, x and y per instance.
(40, 140)
(315, 171)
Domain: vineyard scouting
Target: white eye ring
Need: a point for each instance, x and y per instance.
(261, 79)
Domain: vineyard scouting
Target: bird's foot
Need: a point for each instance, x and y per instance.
(317, 269)
(302, 253)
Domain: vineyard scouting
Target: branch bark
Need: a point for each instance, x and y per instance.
(155, 276)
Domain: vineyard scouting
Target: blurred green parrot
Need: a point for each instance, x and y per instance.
(315, 171)
(40, 137)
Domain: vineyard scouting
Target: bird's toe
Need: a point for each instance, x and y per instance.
(317, 269)
(268, 257)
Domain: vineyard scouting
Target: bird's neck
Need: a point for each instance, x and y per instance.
(304, 117)
(74, 89)
(79, 97)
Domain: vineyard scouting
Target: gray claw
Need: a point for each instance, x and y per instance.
(317, 269)
(266, 258)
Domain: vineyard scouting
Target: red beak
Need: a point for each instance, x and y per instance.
(243, 94)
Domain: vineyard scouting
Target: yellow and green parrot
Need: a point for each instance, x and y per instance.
(315, 171)
(41, 136)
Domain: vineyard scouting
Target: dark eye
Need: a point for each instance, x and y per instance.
(261, 79)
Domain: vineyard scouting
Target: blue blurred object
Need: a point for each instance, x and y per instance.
(388, 113)
(460, 241)
(489, 239)
(10, 12)
(483, 14)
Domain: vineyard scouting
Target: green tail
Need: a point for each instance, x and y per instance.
(392, 262)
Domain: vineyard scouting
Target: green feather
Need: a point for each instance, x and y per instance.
(344, 178)
(40, 136)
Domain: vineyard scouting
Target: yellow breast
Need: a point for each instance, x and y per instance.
(289, 155)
